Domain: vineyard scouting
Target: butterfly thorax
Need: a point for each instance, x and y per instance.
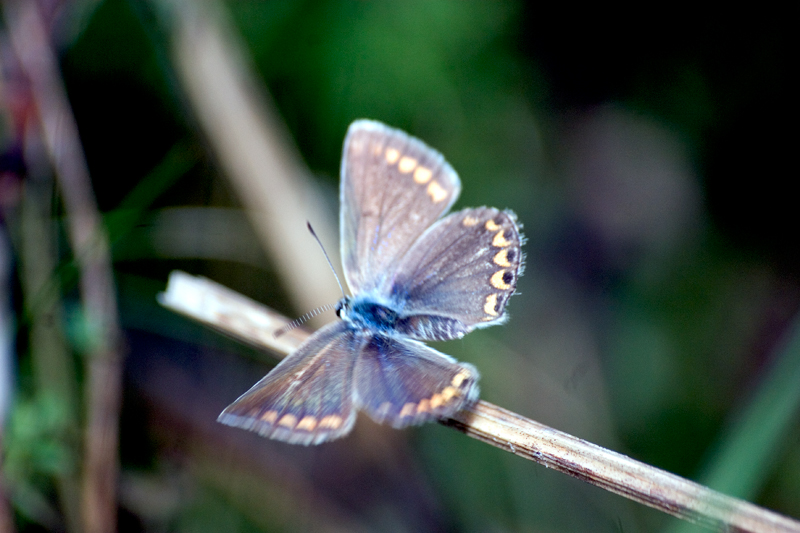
(364, 313)
(367, 314)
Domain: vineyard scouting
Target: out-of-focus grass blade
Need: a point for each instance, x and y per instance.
(743, 458)
(176, 163)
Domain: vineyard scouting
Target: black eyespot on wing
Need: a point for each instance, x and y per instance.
(464, 268)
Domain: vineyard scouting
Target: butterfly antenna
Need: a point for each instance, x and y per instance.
(326, 257)
(308, 316)
(294, 323)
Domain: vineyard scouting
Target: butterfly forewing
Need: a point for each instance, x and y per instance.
(459, 275)
(393, 188)
(307, 398)
(404, 382)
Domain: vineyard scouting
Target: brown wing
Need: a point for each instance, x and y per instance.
(403, 382)
(308, 397)
(459, 275)
(393, 188)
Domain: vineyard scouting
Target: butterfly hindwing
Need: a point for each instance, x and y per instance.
(307, 397)
(393, 188)
(404, 382)
(459, 275)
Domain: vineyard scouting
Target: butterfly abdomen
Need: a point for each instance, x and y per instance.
(431, 328)
(372, 316)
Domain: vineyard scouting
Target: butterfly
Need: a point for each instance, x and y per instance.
(414, 276)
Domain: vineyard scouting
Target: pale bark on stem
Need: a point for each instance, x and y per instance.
(244, 319)
(31, 43)
(52, 362)
(250, 143)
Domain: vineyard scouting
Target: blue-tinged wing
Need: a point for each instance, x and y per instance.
(308, 397)
(404, 382)
(393, 187)
(458, 276)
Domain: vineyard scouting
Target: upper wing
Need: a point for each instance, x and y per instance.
(459, 275)
(392, 188)
(404, 382)
(308, 397)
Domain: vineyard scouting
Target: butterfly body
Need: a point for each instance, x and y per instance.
(415, 277)
(369, 315)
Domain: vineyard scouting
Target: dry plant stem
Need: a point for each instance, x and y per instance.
(242, 318)
(31, 44)
(252, 147)
(615, 472)
(52, 363)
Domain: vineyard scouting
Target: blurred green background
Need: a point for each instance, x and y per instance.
(646, 154)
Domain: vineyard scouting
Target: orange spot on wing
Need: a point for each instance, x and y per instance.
(422, 175)
(498, 282)
(491, 225)
(288, 421)
(407, 164)
(269, 417)
(499, 240)
(392, 155)
(437, 400)
(424, 406)
(501, 258)
(459, 378)
(308, 423)
(330, 422)
(436, 192)
(489, 307)
(448, 393)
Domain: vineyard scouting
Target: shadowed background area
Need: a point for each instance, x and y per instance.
(645, 155)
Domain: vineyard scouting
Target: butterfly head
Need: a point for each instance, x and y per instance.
(343, 308)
